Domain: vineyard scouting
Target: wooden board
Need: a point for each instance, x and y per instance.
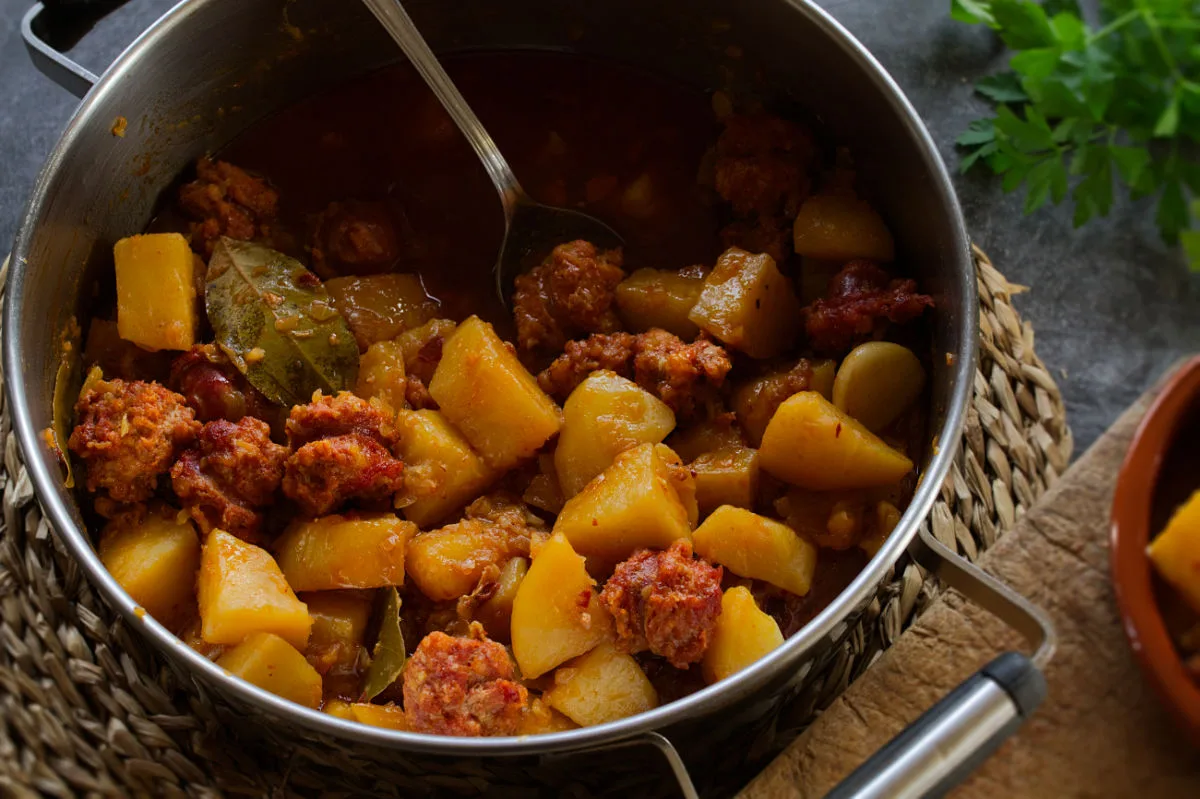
(1101, 732)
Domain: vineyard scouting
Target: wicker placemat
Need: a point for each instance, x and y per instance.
(86, 707)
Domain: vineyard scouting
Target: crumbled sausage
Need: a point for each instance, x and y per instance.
(462, 686)
(568, 294)
(231, 473)
(339, 414)
(756, 402)
(343, 450)
(129, 433)
(215, 389)
(684, 376)
(762, 165)
(666, 602)
(227, 201)
(322, 475)
(861, 299)
(613, 352)
(354, 238)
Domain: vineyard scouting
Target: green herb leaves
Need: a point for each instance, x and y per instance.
(276, 322)
(1084, 109)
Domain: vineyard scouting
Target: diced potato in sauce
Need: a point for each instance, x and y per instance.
(749, 305)
(381, 374)
(811, 443)
(489, 396)
(603, 685)
(646, 498)
(754, 546)
(604, 416)
(838, 227)
(556, 614)
(344, 552)
(442, 472)
(1175, 552)
(657, 298)
(744, 634)
(725, 477)
(242, 591)
(273, 664)
(155, 559)
(156, 291)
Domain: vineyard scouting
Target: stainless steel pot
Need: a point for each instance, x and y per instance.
(208, 69)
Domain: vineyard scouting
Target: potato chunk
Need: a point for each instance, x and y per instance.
(749, 305)
(877, 382)
(839, 227)
(811, 443)
(658, 298)
(360, 551)
(448, 562)
(490, 397)
(155, 560)
(242, 591)
(709, 436)
(339, 627)
(603, 685)
(754, 546)
(540, 719)
(756, 400)
(743, 635)
(726, 477)
(441, 471)
(271, 663)
(604, 416)
(381, 374)
(1175, 553)
(381, 307)
(551, 621)
(156, 291)
(646, 498)
(388, 716)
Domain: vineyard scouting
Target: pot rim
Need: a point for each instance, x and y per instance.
(46, 478)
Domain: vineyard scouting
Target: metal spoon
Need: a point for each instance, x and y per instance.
(531, 229)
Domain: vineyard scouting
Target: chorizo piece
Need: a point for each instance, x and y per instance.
(684, 376)
(570, 293)
(225, 200)
(129, 433)
(343, 450)
(666, 602)
(861, 299)
(231, 473)
(462, 686)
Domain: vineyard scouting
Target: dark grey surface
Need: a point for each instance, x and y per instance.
(1111, 304)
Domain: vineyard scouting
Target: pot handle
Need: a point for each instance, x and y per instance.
(52, 26)
(955, 736)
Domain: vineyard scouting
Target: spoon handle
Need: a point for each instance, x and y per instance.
(395, 19)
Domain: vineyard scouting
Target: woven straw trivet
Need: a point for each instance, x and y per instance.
(88, 708)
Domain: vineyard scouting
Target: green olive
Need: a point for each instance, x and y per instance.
(877, 382)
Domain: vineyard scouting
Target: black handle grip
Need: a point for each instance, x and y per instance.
(954, 737)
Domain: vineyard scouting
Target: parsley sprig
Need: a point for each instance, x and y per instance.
(1083, 107)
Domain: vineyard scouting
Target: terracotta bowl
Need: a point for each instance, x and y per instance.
(1160, 471)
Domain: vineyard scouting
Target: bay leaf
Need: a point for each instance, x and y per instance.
(276, 322)
(388, 657)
